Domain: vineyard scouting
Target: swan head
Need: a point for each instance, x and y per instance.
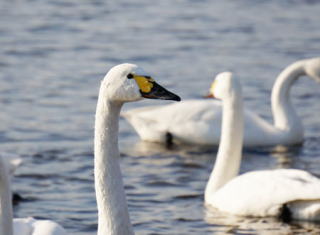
(224, 86)
(312, 68)
(128, 82)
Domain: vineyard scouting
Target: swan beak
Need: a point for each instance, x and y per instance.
(151, 90)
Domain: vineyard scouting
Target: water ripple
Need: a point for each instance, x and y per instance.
(53, 57)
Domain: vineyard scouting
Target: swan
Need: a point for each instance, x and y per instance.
(199, 121)
(123, 83)
(12, 162)
(285, 193)
(20, 226)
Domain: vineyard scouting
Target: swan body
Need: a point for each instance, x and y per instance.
(21, 226)
(199, 121)
(264, 193)
(290, 193)
(123, 83)
(31, 226)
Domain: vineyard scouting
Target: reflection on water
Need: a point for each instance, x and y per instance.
(228, 224)
(53, 55)
(145, 148)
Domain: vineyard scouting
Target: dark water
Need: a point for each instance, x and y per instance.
(53, 55)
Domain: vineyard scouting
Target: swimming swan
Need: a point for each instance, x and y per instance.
(20, 226)
(12, 162)
(199, 121)
(123, 83)
(286, 193)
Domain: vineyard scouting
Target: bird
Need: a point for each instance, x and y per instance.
(198, 121)
(123, 83)
(12, 161)
(288, 194)
(20, 226)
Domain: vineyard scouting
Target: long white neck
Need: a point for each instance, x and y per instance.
(6, 227)
(228, 159)
(113, 213)
(284, 115)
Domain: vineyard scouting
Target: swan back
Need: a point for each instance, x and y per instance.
(263, 193)
(31, 226)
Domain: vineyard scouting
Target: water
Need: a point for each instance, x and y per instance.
(53, 55)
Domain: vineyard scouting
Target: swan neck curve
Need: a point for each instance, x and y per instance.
(6, 227)
(228, 159)
(284, 115)
(113, 216)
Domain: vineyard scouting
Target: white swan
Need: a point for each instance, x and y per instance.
(12, 162)
(123, 83)
(199, 121)
(288, 193)
(20, 226)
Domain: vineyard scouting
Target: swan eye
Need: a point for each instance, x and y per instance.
(130, 76)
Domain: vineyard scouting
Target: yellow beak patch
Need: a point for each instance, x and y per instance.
(212, 87)
(145, 83)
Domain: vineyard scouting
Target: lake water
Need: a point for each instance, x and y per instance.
(53, 54)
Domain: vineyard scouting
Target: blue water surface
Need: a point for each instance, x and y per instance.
(53, 55)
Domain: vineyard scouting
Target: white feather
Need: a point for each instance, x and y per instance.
(31, 226)
(263, 193)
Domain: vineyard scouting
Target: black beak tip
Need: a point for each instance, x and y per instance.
(177, 98)
(171, 96)
(158, 92)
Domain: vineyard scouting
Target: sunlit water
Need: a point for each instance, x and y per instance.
(53, 55)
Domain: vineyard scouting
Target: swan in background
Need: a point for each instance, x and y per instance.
(286, 193)
(199, 121)
(12, 161)
(123, 83)
(20, 226)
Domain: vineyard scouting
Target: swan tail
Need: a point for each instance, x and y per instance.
(305, 210)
